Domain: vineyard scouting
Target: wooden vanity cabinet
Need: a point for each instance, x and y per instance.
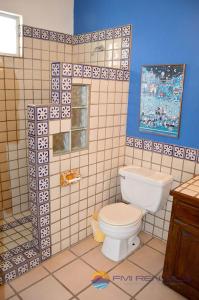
(181, 266)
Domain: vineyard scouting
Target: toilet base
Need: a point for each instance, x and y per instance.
(117, 250)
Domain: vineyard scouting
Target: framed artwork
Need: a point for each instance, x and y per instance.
(161, 99)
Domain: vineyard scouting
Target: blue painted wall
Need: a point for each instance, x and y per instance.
(164, 32)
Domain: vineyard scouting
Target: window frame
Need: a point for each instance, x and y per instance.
(19, 35)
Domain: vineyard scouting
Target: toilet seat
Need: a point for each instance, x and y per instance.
(120, 214)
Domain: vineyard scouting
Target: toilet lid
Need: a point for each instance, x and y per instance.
(120, 214)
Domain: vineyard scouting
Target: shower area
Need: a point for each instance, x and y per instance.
(52, 103)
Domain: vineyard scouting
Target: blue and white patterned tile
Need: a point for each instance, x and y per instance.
(125, 53)
(32, 170)
(31, 143)
(55, 83)
(42, 157)
(44, 232)
(120, 74)
(179, 152)
(109, 34)
(112, 74)
(95, 36)
(32, 183)
(45, 243)
(117, 32)
(42, 113)
(125, 64)
(34, 262)
(126, 30)
(96, 72)
(31, 128)
(87, 71)
(81, 39)
(42, 143)
(190, 154)
(67, 69)
(138, 143)
(168, 150)
(45, 220)
(157, 147)
(43, 196)
(77, 70)
(32, 196)
(61, 37)
(75, 40)
(43, 183)
(55, 71)
(31, 157)
(6, 255)
(55, 97)
(44, 209)
(148, 145)
(66, 112)
(104, 73)
(66, 97)
(5, 265)
(129, 141)
(18, 259)
(22, 269)
(31, 113)
(42, 128)
(126, 76)
(53, 36)
(66, 84)
(27, 31)
(87, 37)
(10, 275)
(44, 34)
(126, 42)
(54, 112)
(102, 35)
(68, 39)
(45, 254)
(17, 250)
(36, 33)
(30, 253)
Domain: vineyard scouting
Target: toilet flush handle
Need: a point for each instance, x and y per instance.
(122, 176)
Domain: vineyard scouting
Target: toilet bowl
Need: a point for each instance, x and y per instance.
(121, 224)
(145, 191)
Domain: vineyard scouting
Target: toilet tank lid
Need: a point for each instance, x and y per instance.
(147, 175)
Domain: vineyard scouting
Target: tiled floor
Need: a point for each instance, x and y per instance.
(68, 275)
(17, 232)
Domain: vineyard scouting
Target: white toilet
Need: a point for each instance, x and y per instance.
(146, 191)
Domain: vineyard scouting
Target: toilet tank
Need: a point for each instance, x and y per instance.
(145, 188)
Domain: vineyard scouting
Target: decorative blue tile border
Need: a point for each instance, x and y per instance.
(123, 32)
(61, 83)
(164, 148)
(43, 34)
(17, 261)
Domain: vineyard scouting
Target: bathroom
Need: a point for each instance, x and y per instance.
(73, 142)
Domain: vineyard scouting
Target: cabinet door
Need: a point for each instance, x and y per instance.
(181, 269)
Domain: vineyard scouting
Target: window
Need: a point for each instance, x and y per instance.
(77, 138)
(10, 37)
(79, 119)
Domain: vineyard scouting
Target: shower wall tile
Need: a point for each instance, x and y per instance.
(108, 48)
(23, 81)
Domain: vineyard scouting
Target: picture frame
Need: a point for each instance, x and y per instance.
(161, 99)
